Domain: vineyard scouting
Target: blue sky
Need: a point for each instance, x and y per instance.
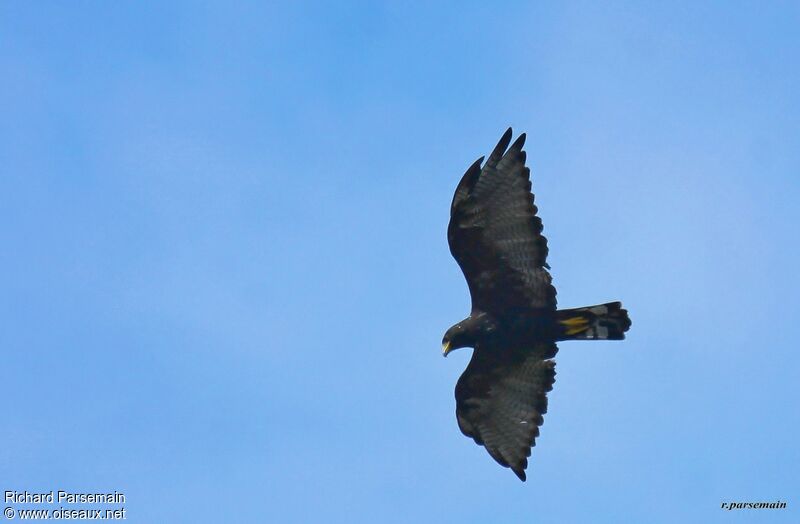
(225, 276)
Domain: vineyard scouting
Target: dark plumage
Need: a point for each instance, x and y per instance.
(496, 238)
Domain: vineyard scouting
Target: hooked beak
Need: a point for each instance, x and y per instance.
(445, 348)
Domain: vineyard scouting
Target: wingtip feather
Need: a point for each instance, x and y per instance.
(520, 473)
(519, 142)
(500, 148)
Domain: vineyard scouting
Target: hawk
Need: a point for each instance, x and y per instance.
(496, 238)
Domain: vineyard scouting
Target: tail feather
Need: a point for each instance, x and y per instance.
(602, 322)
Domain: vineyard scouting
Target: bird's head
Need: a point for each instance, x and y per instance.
(456, 337)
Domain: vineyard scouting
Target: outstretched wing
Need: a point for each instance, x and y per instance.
(495, 235)
(500, 400)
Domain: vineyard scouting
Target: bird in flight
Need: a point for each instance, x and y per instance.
(496, 238)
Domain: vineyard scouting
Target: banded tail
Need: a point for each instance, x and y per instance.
(601, 322)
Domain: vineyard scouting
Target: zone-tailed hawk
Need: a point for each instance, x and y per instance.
(496, 238)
